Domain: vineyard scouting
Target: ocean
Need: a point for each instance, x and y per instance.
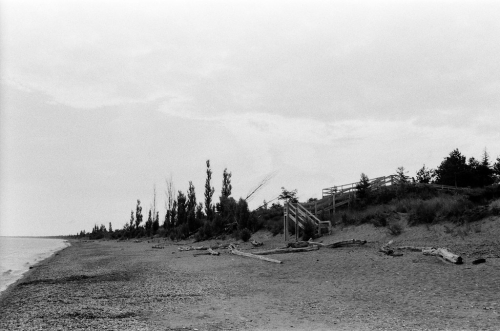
(17, 254)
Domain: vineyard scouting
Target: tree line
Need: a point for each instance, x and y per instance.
(186, 217)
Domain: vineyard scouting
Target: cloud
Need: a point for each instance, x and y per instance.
(335, 61)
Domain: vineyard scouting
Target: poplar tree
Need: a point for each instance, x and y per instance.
(209, 192)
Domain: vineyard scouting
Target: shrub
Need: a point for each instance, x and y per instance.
(423, 213)
(245, 234)
(395, 229)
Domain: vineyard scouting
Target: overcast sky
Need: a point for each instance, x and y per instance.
(103, 100)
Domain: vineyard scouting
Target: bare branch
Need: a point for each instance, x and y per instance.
(261, 184)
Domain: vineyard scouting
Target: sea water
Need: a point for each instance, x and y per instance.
(17, 254)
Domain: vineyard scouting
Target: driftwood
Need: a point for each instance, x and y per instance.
(208, 252)
(219, 246)
(389, 251)
(158, 246)
(233, 250)
(287, 250)
(346, 243)
(445, 254)
(191, 248)
(256, 243)
(412, 248)
(298, 244)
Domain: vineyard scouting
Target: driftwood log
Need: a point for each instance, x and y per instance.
(445, 254)
(233, 250)
(346, 243)
(298, 244)
(191, 248)
(208, 252)
(287, 250)
(412, 248)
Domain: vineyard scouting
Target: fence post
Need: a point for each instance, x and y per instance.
(297, 221)
(285, 222)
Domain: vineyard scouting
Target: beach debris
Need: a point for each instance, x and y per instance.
(297, 244)
(445, 254)
(479, 261)
(191, 248)
(287, 250)
(346, 243)
(439, 252)
(208, 252)
(233, 250)
(389, 251)
(158, 246)
(256, 243)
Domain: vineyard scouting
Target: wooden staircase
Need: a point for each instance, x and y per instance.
(333, 197)
(337, 196)
(300, 216)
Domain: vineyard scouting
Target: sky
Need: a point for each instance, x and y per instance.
(102, 101)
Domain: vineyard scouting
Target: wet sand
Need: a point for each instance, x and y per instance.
(124, 285)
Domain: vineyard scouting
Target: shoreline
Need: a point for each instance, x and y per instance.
(27, 273)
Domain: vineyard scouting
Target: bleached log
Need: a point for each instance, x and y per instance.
(233, 250)
(287, 250)
(315, 243)
(191, 248)
(412, 248)
(445, 254)
(208, 252)
(212, 252)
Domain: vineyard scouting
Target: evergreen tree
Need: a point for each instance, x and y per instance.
(496, 169)
(209, 192)
(110, 228)
(363, 187)
(243, 215)
(156, 223)
(181, 209)
(401, 176)
(485, 171)
(149, 224)
(453, 170)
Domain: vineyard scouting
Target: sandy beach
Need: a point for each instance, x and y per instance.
(127, 285)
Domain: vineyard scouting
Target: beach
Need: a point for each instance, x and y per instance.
(128, 285)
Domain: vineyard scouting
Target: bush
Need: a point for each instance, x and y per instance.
(245, 234)
(395, 229)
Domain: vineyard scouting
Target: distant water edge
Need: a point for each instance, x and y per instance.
(17, 254)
